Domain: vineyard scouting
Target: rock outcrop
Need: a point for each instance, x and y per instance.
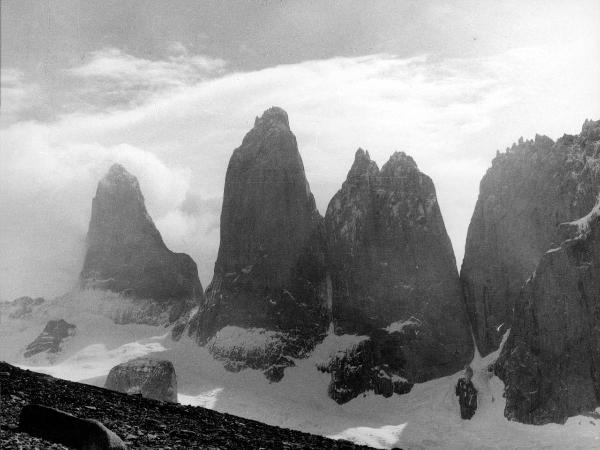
(467, 395)
(394, 276)
(270, 272)
(550, 363)
(126, 253)
(51, 338)
(531, 189)
(149, 377)
(364, 367)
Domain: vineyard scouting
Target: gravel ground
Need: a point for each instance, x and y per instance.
(141, 423)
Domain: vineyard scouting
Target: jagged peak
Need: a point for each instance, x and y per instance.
(362, 154)
(117, 168)
(543, 140)
(591, 129)
(524, 147)
(362, 164)
(274, 116)
(119, 175)
(400, 160)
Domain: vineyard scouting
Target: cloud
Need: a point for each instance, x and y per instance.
(177, 136)
(114, 77)
(16, 95)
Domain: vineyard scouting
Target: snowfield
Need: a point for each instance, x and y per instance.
(427, 417)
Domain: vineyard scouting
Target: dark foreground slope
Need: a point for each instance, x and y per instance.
(141, 423)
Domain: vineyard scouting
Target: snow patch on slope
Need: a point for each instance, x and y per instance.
(426, 417)
(91, 312)
(334, 345)
(398, 327)
(584, 224)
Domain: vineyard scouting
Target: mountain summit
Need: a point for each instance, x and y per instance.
(269, 273)
(388, 244)
(394, 277)
(126, 253)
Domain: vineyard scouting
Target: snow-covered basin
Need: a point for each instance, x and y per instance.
(427, 417)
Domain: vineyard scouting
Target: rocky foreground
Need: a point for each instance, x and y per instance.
(141, 423)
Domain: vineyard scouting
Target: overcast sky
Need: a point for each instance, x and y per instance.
(170, 88)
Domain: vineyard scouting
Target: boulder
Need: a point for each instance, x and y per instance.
(51, 338)
(550, 363)
(523, 198)
(149, 377)
(57, 426)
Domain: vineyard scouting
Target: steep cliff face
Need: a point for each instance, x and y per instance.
(393, 272)
(269, 273)
(551, 361)
(126, 253)
(523, 198)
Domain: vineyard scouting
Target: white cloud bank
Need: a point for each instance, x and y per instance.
(178, 120)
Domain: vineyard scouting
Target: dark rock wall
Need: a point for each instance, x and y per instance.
(551, 361)
(391, 260)
(524, 196)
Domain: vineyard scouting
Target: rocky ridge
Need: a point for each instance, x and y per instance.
(524, 197)
(269, 274)
(393, 278)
